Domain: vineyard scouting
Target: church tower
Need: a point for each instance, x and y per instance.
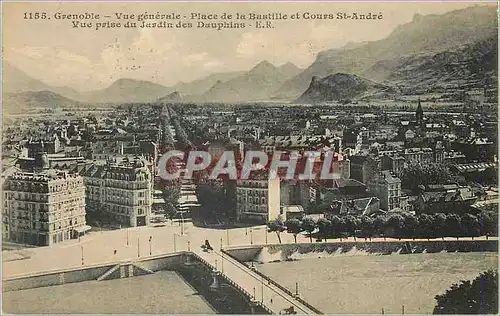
(419, 114)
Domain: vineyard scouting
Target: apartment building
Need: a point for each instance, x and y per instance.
(43, 208)
(257, 200)
(387, 188)
(119, 192)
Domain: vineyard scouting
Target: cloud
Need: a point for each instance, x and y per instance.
(251, 44)
(213, 64)
(195, 58)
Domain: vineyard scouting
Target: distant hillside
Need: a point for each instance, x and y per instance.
(128, 90)
(257, 84)
(340, 86)
(471, 65)
(15, 80)
(428, 34)
(172, 97)
(19, 102)
(69, 93)
(200, 86)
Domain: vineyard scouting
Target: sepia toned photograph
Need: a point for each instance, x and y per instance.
(249, 158)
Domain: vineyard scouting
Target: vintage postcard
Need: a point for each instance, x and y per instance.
(249, 158)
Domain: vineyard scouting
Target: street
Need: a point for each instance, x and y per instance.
(129, 243)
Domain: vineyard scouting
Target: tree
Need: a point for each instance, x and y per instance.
(470, 225)
(171, 196)
(410, 225)
(276, 226)
(477, 297)
(439, 224)
(395, 222)
(453, 225)
(337, 225)
(380, 224)
(324, 227)
(367, 226)
(294, 226)
(308, 224)
(416, 174)
(426, 226)
(351, 224)
(488, 222)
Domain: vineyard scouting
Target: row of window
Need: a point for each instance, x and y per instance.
(255, 200)
(35, 225)
(252, 208)
(127, 185)
(252, 192)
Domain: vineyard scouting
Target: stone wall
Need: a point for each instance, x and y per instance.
(282, 252)
(80, 274)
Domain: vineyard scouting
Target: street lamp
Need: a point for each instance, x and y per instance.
(127, 235)
(266, 234)
(189, 245)
(82, 255)
(150, 238)
(182, 223)
(221, 243)
(138, 248)
(251, 236)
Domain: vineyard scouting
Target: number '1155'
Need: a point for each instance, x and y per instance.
(35, 15)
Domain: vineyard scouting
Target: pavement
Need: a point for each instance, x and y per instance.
(130, 243)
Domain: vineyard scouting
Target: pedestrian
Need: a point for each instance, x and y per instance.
(115, 251)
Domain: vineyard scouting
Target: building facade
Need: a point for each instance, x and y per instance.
(257, 200)
(44, 208)
(121, 193)
(387, 188)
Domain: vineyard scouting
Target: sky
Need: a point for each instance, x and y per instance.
(88, 59)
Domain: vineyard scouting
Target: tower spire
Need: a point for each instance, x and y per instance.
(420, 113)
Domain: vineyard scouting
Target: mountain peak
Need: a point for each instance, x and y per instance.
(288, 64)
(172, 97)
(263, 66)
(340, 86)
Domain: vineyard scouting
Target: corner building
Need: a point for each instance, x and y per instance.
(257, 201)
(121, 193)
(44, 208)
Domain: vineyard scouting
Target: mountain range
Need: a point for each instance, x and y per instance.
(340, 87)
(453, 49)
(424, 35)
(259, 83)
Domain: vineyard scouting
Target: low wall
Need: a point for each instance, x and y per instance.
(54, 278)
(282, 252)
(80, 274)
(169, 262)
(245, 254)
